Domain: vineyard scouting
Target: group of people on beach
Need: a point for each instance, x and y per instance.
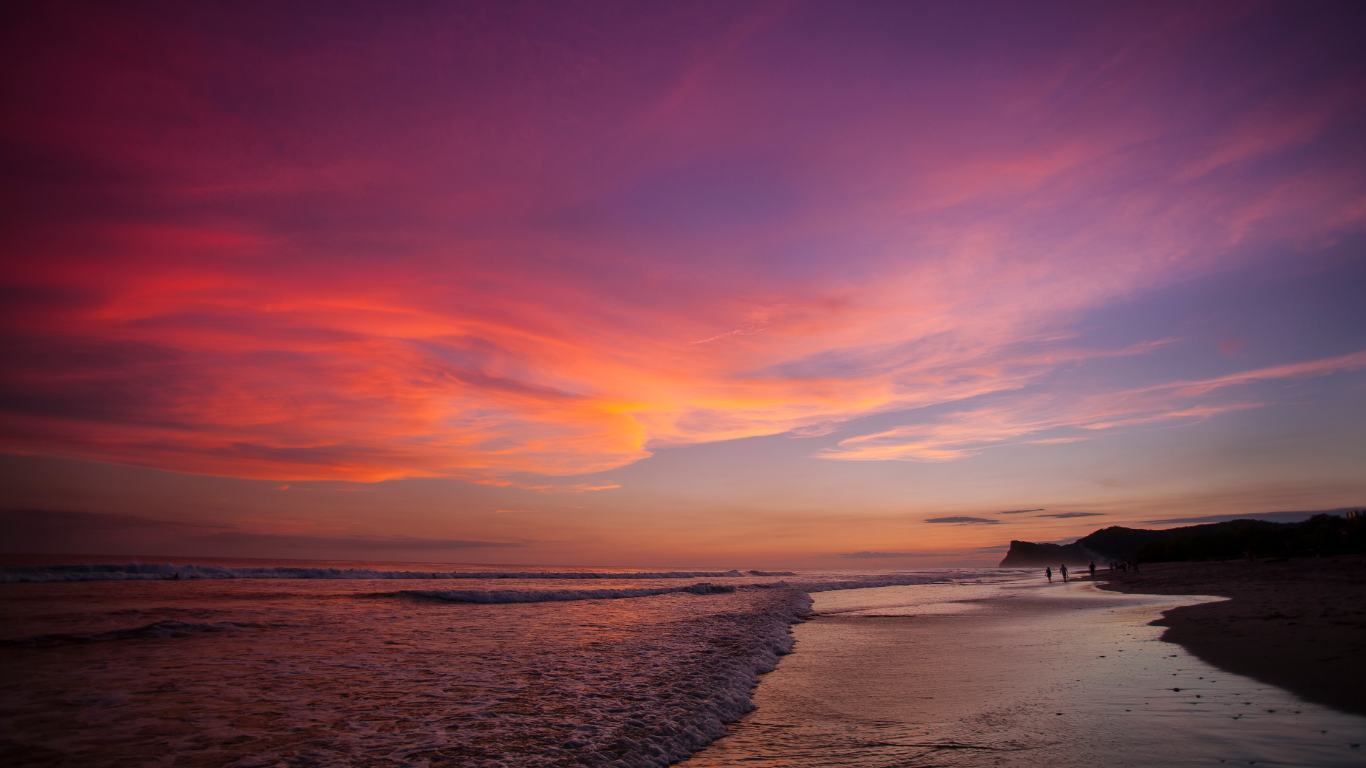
(1115, 565)
(1062, 569)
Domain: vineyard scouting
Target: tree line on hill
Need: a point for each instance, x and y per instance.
(1322, 534)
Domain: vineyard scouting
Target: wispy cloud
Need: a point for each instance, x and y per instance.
(963, 519)
(267, 541)
(1068, 515)
(1043, 418)
(543, 487)
(1275, 517)
(886, 555)
(47, 530)
(36, 523)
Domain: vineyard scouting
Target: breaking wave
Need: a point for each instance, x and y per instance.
(158, 630)
(555, 595)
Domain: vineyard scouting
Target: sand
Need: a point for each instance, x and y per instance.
(1025, 674)
(1298, 624)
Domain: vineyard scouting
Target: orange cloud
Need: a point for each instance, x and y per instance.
(554, 265)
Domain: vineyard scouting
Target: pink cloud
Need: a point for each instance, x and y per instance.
(1024, 419)
(523, 250)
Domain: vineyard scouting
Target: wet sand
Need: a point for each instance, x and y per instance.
(1298, 624)
(1022, 674)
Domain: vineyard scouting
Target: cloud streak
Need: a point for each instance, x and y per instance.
(48, 530)
(1064, 417)
(260, 541)
(886, 555)
(1275, 517)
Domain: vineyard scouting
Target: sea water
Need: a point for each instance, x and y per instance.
(274, 663)
(253, 663)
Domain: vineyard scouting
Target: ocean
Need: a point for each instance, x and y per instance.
(249, 664)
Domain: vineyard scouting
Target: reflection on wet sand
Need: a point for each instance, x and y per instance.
(1019, 674)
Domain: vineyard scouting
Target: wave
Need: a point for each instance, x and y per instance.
(545, 596)
(159, 630)
(556, 595)
(716, 667)
(720, 680)
(141, 571)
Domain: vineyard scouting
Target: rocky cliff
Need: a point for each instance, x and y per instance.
(1025, 554)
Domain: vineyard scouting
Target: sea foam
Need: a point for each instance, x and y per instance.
(555, 595)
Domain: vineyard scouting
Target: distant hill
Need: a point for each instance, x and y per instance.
(1024, 554)
(1322, 534)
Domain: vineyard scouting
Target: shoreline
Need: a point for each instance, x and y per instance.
(1298, 624)
(1023, 673)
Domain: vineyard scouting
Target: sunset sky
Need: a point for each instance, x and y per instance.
(733, 284)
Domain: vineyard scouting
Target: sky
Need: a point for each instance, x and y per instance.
(737, 284)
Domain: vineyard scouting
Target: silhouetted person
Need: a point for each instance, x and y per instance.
(1093, 570)
(1049, 573)
(1063, 569)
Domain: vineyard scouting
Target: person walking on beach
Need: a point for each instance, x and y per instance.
(1049, 573)
(1064, 572)
(1093, 570)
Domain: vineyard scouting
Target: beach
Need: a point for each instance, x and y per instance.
(1026, 673)
(1299, 624)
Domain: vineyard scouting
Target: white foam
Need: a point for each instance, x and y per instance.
(715, 672)
(554, 595)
